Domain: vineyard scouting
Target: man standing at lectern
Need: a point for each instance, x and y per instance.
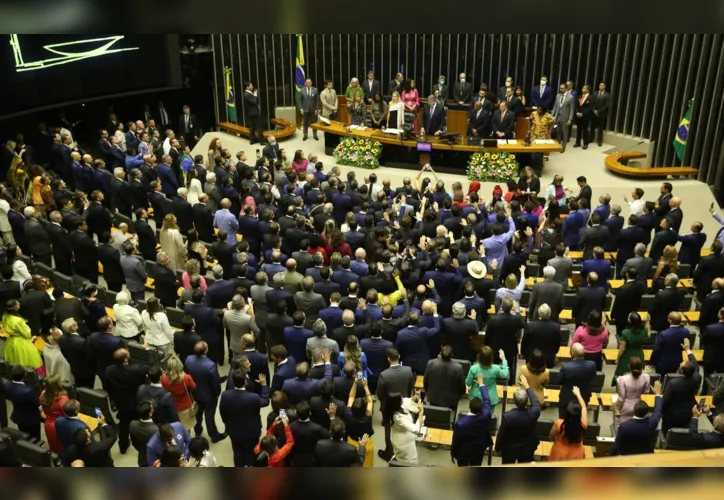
(479, 121)
(434, 116)
(253, 114)
(600, 111)
(563, 115)
(503, 122)
(310, 108)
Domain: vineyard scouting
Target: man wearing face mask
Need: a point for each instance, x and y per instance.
(600, 111)
(542, 94)
(508, 85)
(463, 91)
(442, 87)
(563, 115)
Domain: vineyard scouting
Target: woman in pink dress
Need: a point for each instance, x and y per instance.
(52, 400)
(411, 100)
(299, 163)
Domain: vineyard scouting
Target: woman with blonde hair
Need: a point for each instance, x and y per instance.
(668, 264)
(52, 399)
(353, 352)
(193, 268)
(172, 243)
(181, 385)
(395, 111)
(513, 289)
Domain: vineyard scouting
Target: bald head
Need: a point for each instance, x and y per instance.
(577, 351)
(427, 307)
(675, 202)
(718, 284)
(328, 208)
(348, 317)
(226, 203)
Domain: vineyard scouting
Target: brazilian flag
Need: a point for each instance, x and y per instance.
(230, 102)
(299, 76)
(682, 134)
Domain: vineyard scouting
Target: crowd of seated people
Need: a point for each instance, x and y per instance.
(351, 288)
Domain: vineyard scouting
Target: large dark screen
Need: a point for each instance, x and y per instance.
(42, 70)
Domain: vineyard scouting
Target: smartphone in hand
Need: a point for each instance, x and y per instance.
(98, 413)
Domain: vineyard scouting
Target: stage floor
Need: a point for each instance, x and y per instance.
(696, 196)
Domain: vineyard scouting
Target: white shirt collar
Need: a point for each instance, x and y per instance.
(149, 421)
(156, 385)
(282, 362)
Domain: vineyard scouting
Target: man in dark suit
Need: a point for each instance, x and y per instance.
(284, 367)
(412, 342)
(691, 245)
(516, 440)
(712, 341)
(184, 341)
(25, 415)
(188, 127)
(444, 381)
(667, 300)
(138, 193)
(579, 373)
(122, 381)
(614, 223)
(459, 331)
(208, 388)
(462, 91)
(320, 404)
(142, 430)
(68, 424)
(93, 453)
(240, 412)
(146, 235)
(642, 264)
(434, 116)
(627, 240)
(679, 394)
(471, 435)
(594, 236)
(306, 435)
(165, 283)
(375, 348)
(121, 195)
(208, 325)
(638, 435)
(441, 87)
(38, 238)
(345, 381)
(253, 114)
(336, 452)
(589, 298)
(710, 267)
(99, 218)
(258, 362)
(542, 94)
(163, 402)
(599, 265)
(302, 387)
(706, 440)
(110, 258)
(503, 122)
(221, 291)
(396, 379)
(662, 203)
(479, 124)
(664, 237)
(161, 205)
(546, 292)
(371, 86)
(62, 251)
(183, 211)
(203, 219)
(167, 177)
(515, 105)
(584, 116)
(542, 334)
(628, 300)
(76, 350)
(17, 223)
(224, 253)
(600, 111)
(85, 253)
(648, 221)
(503, 333)
(712, 304)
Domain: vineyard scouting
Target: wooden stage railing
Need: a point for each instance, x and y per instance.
(285, 131)
(613, 163)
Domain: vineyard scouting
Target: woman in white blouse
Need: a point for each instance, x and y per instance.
(395, 112)
(121, 136)
(193, 184)
(128, 320)
(403, 431)
(158, 331)
(20, 270)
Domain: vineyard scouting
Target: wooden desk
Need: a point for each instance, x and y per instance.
(544, 450)
(529, 282)
(577, 255)
(610, 355)
(692, 316)
(616, 284)
(644, 316)
(607, 399)
(441, 437)
(286, 129)
(613, 163)
(420, 380)
(564, 353)
(339, 128)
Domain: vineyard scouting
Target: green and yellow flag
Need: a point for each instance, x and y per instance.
(299, 76)
(230, 102)
(682, 134)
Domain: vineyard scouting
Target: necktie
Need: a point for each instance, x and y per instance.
(308, 94)
(502, 116)
(600, 95)
(432, 110)
(187, 122)
(542, 89)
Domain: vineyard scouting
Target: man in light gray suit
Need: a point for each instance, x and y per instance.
(239, 322)
(396, 379)
(563, 266)
(563, 110)
(134, 270)
(547, 292)
(258, 295)
(308, 302)
(321, 341)
(640, 262)
(310, 107)
(213, 192)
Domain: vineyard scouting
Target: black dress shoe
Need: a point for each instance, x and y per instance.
(600, 144)
(224, 379)
(218, 438)
(383, 455)
(304, 139)
(576, 145)
(585, 147)
(316, 138)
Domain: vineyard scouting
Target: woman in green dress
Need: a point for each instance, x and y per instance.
(353, 90)
(491, 373)
(631, 344)
(19, 348)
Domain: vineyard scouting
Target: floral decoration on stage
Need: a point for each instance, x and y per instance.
(358, 152)
(492, 166)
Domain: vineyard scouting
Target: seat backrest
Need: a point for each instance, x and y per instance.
(493, 426)
(686, 303)
(465, 364)
(668, 378)
(43, 270)
(175, 316)
(110, 298)
(525, 298)
(692, 338)
(140, 354)
(653, 378)
(62, 280)
(16, 434)
(141, 305)
(647, 302)
(650, 340)
(491, 296)
(79, 283)
(684, 271)
(32, 455)
(607, 302)
(598, 381)
(149, 266)
(90, 399)
(592, 432)
(118, 218)
(532, 270)
(4, 369)
(438, 417)
(554, 378)
(543, 429)
(569, 300)
(565, 336)
(679, 439)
